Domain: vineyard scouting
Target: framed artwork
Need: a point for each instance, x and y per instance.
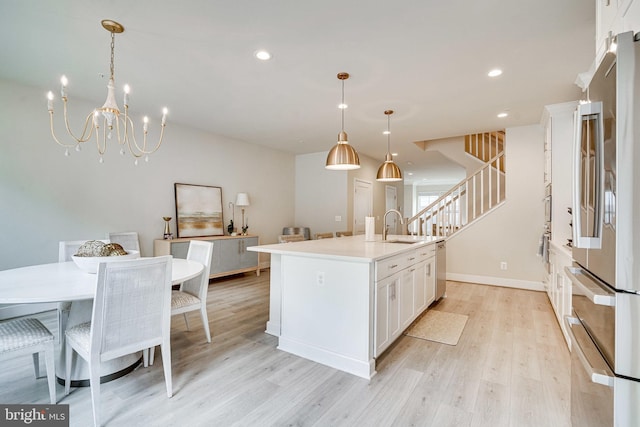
(198, 210)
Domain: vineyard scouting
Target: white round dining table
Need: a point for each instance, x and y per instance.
(65, 282)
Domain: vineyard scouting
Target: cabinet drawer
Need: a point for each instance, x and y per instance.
(389, 266)
(411, 258)
(425, 252)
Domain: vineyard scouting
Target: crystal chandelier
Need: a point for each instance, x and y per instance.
(108, 119)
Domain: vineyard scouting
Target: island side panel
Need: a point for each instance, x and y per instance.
(326, 312)
(275, 278)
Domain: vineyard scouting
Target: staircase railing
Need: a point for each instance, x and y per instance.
(467, 201)
(485, 146)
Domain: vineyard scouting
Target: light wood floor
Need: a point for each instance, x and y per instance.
(510, 368)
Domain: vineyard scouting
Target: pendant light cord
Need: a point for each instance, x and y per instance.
(389, 133)
(342, 106)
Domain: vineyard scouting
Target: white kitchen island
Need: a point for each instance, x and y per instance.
(342, 301)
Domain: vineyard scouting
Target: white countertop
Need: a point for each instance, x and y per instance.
(352, 248)
(562, 248)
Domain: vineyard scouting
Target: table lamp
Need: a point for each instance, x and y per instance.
(242, 200)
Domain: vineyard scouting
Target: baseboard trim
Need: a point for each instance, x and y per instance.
(497, 281)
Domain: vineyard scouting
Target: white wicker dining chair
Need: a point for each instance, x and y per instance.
(66, 249)
(29, 336)
(192, 295)
(131, 312)
(127, 239)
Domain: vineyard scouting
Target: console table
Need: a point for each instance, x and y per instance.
(230, 255)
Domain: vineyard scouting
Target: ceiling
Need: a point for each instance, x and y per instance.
(426, 60)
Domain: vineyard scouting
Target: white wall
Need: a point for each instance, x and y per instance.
(46, 197)
(321, 195)
(512, 232)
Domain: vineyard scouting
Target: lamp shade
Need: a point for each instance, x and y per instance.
(342, 156)
(242, 199)
(389, 171)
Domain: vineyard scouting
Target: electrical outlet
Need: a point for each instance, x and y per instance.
(320, 278)
(338, 218)
(503, 265)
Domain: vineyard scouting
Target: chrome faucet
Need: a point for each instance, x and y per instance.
(384, 222)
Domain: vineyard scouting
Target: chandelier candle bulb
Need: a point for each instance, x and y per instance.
(126, 95)
(63, 86)
(146, 124)
(50, 101)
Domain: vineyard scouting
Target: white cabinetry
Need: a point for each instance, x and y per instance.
(559, 289)
(631, 17)
(558, 122)
(387, 325)
(405, 286)
(614, 17)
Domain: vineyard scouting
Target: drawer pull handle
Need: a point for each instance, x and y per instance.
(393, 266)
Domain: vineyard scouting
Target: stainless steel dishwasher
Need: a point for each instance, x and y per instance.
(441, 269)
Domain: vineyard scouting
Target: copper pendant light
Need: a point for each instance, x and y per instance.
(389, 171)
(342, 156)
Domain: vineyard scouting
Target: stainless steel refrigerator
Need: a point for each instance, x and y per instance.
(605, 325)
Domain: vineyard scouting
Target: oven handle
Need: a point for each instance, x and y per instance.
(590, 287)
(597, 376)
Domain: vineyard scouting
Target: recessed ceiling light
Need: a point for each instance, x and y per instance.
(394, 154)
(503, 115)
(386, 132)
(263, 55)
(410, 173)
(495, 72)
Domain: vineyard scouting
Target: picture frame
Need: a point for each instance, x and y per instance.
(198, 210)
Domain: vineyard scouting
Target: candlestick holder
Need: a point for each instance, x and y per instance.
(167, 230)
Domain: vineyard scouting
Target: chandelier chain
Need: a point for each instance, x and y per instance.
(113, 44)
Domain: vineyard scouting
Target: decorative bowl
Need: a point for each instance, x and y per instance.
(90, 263)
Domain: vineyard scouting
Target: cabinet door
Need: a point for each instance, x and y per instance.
(387, 319)
(180, 249)
(430, 280)
(247, 258)
(420, 288)
(226, 256)
(406, 297)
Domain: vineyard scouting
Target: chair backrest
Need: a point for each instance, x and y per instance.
(132, 306)
(127, 239)
(67, 248)
(286, 238)
(324, 235)
(200, 251)
(344, 233)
